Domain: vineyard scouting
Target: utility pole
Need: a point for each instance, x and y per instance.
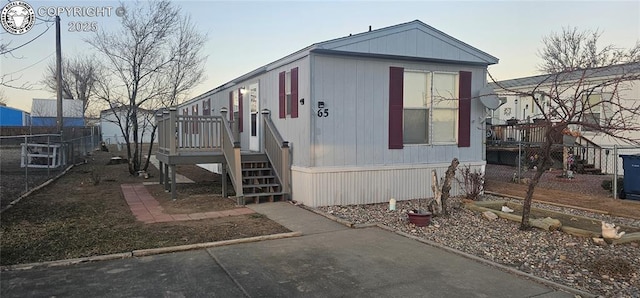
(59, 75)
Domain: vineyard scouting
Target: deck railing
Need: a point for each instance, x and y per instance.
(231, 151)
(167, 133)
(278, 152)
(183, 133)
(589, 151)
(530, 132)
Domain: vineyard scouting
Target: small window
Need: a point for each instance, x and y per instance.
(592, 110)
(287, 90)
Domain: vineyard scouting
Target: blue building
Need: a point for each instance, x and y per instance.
(12, 117)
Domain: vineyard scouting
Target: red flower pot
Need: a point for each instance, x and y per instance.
(420, 219)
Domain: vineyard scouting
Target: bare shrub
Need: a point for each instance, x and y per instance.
(472, 182)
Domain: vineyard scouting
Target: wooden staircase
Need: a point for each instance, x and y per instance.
(582, 167)
(259, 181)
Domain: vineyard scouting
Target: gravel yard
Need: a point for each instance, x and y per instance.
(607, 270)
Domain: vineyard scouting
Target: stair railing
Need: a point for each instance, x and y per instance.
(167, 134)
(277, 150)
(231, 151)
(592, 151)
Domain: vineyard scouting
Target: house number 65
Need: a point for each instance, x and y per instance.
(323, 113)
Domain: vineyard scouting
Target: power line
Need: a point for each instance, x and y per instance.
(23, 69)
(28, 42)
(34, 25)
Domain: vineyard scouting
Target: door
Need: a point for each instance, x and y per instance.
(255, 117)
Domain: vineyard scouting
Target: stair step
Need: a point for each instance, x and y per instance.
(260, 185)
(253, 163)
(262, 194)
(259, 177)
(256, 169)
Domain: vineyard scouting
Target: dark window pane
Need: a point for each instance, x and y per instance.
(415, 126)
(254, 129)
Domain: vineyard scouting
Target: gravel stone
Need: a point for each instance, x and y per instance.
(606, 270)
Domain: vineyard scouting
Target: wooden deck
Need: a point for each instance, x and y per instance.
(184, 139)
(504, 142)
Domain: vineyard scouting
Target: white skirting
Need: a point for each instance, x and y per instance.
(366, 185)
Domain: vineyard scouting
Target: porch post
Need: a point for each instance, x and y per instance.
(161, 172)
(225, 191)
(173, 133)
(266, 113)
(166, 177)
(173, 183)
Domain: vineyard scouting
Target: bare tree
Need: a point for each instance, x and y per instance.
(573, 49)
(151, 62)
(80, 75)
(583, 81)
(3, 98)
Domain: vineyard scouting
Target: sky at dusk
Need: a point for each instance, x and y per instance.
(244, 35)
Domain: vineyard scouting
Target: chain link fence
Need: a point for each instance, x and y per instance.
(27, 161)
(516, 162)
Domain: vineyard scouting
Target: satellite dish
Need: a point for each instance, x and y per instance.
(489, 99)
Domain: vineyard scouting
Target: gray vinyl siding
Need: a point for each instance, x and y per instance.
(293, 130)
(412, 41)
(356, 92)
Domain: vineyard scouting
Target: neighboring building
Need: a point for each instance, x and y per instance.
(599, 146)
(110, 125)
(12, 117)
(368, 116)
(522, 109)
(44, 112)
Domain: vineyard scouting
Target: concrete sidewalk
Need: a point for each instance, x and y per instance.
(329, 260)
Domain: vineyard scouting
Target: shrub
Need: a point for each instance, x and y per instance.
(95, 176)
(608, 184)
(472, 183)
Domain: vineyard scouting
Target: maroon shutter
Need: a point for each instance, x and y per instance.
(240, 110)
(294, 93)
(396, 82)
(464, 110)
(230, 105)
(282, 95)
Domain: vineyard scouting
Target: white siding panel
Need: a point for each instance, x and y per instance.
(367, 185)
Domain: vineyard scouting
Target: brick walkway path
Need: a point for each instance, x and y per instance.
(148, 210)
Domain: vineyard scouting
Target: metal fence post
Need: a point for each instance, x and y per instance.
(26, 164)
(615, 171)
(519, 160)
(48, 156)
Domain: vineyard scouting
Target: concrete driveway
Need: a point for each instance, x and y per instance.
(329, 260)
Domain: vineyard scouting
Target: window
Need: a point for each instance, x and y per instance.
(430, 107)
(287, 92)
(206, 107)
(194, 120)
(416, 91)
(592, 110)
(445, 108)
